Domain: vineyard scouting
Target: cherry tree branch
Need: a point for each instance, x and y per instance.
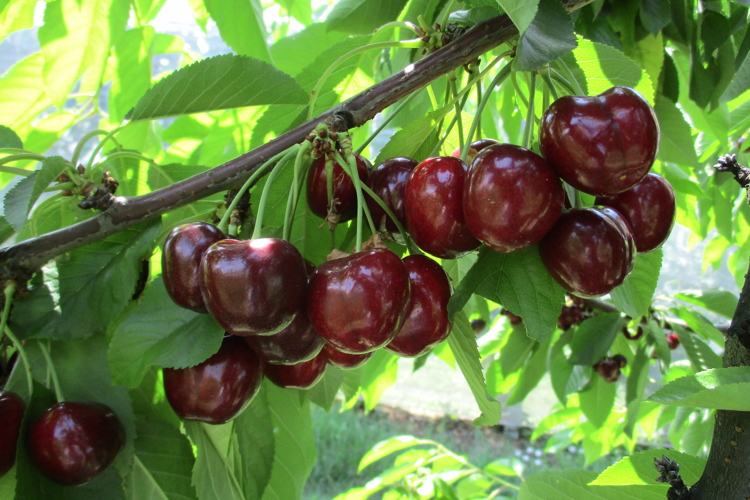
(21, 260)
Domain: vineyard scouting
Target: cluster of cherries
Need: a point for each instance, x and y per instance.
(70, 443)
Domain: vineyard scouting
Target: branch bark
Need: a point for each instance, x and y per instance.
(21, 260)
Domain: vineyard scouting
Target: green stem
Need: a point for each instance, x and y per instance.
(10, 290)
(350, 167)
(550, 85)
(109, 136)
(267, 189)
(59, 187)
(399, 24)
(291, 204)
(447, 14)
(128, 154)
(385, 123)
(459, 110)
(478, 113)
(389, 213)
(82, 143)
(568, 81)
(52, 371)
(19, 157)
(519, 94)
(12, 151)
(260, 172)
(15, 171)
(530, 115)
(416, 43)
(499, 79)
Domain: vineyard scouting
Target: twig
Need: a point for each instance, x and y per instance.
(669, 471)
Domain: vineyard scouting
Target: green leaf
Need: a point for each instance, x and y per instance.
(655, 15)
(156, 331)
(241, 25)
(9, 139)
(520, 282)
(20, 199)
(573, 483)
(213, 474)
(255, 446)
(719, 388)
(15, 16)
(162, 465)
(79, 294)
(463, 343)
(634, 296)
(133, 74)
(739, 83)
(593, 338)
(220, 82)
(522, 12)
(363, 16)
(306, 45)
(700, 354)
(598, 399)
(388, 447)
(532, 373)
(22, 94)
(676, 144)
(549, 36)
(638, 469)
(301, 10)
(295, 443)
(408, 140)
(324, 392)
(716, 301)
(378, 375)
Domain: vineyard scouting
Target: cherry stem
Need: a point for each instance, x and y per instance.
(412, 248)
(569, 81)
(108, 136)
(385, 123)
(301, 162)
(289, 153)
(478, 113)
(15, 171)
(260, 172)
(59, 187)
(499, 79)
(52, 371)
(82, 142)
(530, 114)
(127, 154)
(20, 157)
(399, 24)
(350, 166)
(550, 85)
(413, 44)
(447, 14)
(10, 290)
(459, 110)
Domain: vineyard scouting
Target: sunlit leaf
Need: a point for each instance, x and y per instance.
(719, 388)
(241, 25)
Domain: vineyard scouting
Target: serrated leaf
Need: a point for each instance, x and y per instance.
(463, 343)
(255, 447)
(162, 465)
(20, 199)
(241, 25)
(655, 15)
(408, 140)
(221, 82)
(719, 388)
(387, 447)
(213, 475)
(718, 301)
(633, 296)
(471, 17)
(549, 36)
(740, 82)
(324, 392)
(363, 16)
(521, 12)
(638, 469)
(306, 45)
(156, 331)
(676, 143)
(700, 354)
(133, 71)
(593, 338)
(295, 443)
(520, 282)
(597, 401)
(573, 483)
(9, 139)
(79, 294)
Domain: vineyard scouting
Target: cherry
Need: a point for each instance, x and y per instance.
(73, 442)
(253, 287)
(359, 302)
(649, 208)
(12, 409)
(344, 194)
(609, 369)
(589, 251)
(512, 197)
(434, 208)
(570, 316)
(299, 376)
(474, 148)
(512, 318)
(344, 360)
(218, 389)
(296, 343)
(388, 181)
(602, 144)
(621, 360)
(673, 341)
(632, 336)
(478, 325)
(180, 262)
(426, 323)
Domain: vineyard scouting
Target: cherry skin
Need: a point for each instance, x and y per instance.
(343, 188)
(474, 148)
(649, 208)
(296, 343)
(603, 144)
(218, 389)
(12, 409)
(609, 369)
(388, 181)
(427, 322)
(72, 442)
(180, 262)
(434, 208)
(673, 341)
(299, 376)
(253, 287)
(344, 360)
(359, 302)
(512, 197)
(589, 251)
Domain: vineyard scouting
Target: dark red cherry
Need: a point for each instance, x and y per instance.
(512, 197)
(673, 341)
(12, 409)
(632, 336)
(253, 287)
(426, 323)
(218, 389)
(589, 251)
(388, 181)
(180, 262)
(359, 302)
(296, 343)
(603, 144)
(299, 376)
(649, 208)
(474, 148)
(72, 442)
(344, 360)
(434, 208)
(609, 369)
(344, 194)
